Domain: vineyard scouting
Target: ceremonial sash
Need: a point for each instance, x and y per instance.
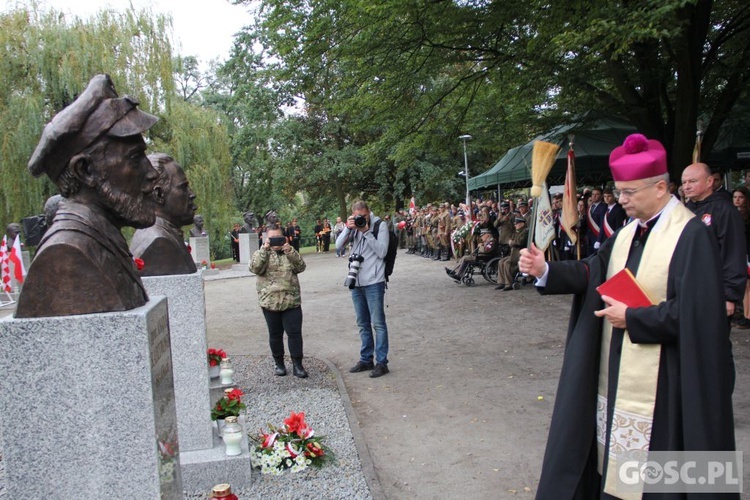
(608, 231)
(593, 226)
(633, 415)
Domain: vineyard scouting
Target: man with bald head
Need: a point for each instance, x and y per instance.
(161, 246)
(725, 222)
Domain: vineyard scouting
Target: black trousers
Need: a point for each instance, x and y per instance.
(289, 321)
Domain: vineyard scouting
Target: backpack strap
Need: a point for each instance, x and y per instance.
(376, 228)
(375, 231)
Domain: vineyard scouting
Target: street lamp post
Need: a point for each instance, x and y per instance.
(466, 137)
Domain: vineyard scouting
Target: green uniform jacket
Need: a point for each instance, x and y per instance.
(277, 283)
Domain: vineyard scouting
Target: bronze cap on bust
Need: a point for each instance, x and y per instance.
(98, 111)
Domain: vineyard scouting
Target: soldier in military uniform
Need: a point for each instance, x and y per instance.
(277, 265)
(418, 221)
(523, 207)
(443, 233)
(411, 241)
(427, 231)
(509, 265)
(434, 237)
(504, 224)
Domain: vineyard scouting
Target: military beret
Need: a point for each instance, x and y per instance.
(98, 111)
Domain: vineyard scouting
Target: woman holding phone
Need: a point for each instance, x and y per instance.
(277, 265)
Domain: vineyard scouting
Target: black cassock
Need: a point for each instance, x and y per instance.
(696, 373)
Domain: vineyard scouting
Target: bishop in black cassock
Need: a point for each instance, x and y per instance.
(685, 334)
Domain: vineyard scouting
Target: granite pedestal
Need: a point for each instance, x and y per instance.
(187, 328)
(200, 250)
(202, 469)
(248, 246)
(88, 406)
(202, 459)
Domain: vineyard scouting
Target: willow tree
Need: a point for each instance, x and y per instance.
(48, 58)
(197, 139)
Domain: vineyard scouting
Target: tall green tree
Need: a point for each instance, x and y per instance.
(663, 64)
(400, 110)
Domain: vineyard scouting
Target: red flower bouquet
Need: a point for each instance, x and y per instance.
(215, 356)
(229, 406)
(293, 446)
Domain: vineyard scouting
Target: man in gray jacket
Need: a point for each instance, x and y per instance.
(368, 253)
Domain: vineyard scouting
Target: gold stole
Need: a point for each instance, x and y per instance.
(639, 363)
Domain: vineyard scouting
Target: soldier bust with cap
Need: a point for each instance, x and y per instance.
(638, 379)
(94, 152)
(161, 246)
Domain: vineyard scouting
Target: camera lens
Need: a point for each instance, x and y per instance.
(355, 262)
(360, 221)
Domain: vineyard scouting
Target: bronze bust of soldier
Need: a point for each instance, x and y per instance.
(249, 226)
(94, 152)
(161, 246)
(197, 230)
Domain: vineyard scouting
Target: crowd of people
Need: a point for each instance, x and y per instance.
(443, 231)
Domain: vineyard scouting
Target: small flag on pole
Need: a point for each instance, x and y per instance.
(19, 270)
(5, 267)
(569, 217)
(544, 229)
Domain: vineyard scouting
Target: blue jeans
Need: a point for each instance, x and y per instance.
(368, 306)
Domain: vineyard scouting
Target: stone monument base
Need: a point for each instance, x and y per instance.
(202, 469)
(200, 250)
(87, 406)
(187, 327)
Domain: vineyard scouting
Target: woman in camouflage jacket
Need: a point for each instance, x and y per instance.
(277, 265)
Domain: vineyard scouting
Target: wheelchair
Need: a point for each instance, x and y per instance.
(486, 265)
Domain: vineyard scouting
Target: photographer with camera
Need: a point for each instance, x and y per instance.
(277, 265)
(366, 279)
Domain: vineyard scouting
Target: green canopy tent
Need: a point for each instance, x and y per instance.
(513, 164)
(592, 142)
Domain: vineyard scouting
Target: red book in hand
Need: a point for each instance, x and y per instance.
(623, 287)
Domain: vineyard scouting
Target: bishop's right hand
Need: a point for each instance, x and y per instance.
(532, 262)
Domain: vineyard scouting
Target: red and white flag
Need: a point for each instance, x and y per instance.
(19, 270)
(569, 217)
(412, 206)
(5, 266)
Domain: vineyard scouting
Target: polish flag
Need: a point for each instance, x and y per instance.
(19, 270)
(5, 285)
(412, 206)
